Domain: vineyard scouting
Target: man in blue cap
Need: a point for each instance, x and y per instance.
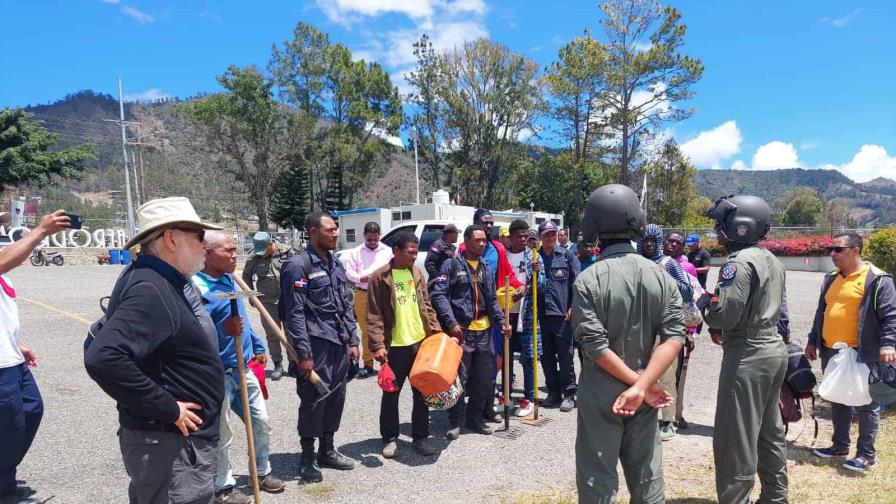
(554, 308)
(699, 257)
(262, 273)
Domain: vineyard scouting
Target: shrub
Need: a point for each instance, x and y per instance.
(790, 246)
(880, 249)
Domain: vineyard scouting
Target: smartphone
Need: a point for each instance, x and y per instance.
(75, 220)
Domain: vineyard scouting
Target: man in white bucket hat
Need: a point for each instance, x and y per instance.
(158, 358)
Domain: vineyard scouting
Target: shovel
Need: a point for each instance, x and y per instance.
(507, 432)
(244, 390)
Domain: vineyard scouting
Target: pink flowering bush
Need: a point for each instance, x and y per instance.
(790, 246)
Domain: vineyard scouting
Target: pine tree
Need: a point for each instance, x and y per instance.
(291, 198)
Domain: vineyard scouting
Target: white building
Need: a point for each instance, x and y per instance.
(438, 207)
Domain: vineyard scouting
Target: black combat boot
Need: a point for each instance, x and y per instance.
(327, 456)
(308, 469)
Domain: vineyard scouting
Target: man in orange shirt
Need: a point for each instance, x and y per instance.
(857, 307)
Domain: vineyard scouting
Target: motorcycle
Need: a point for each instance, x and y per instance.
(41, 258)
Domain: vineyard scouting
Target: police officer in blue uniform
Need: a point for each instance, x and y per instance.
(554, 305)
(316, 311)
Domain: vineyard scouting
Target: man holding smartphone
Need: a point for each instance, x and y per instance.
(20, 421)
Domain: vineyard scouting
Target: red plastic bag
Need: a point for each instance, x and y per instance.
(258, 369)
(386, 379)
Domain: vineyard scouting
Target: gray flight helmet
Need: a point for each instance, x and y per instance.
(743, 219)
(613, 211)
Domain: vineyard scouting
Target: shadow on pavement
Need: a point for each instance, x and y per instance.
(690, 500)
(695, 429)
(367, 452)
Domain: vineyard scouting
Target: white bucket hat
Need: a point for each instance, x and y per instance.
(165, 213)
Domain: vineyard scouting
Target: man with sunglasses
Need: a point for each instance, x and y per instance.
(156, 358)
(857, 306)
(743, 316)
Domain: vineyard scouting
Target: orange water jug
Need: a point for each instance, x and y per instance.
(436, 365)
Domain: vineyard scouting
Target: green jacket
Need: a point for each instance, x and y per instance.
(263, 273)
(748, 296)
(623, 303)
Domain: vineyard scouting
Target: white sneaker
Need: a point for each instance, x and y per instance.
(524, 409)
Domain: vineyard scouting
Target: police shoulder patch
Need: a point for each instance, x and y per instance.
(729, 270)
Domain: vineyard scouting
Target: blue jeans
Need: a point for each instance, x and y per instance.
(521, 341)
(868, 417)
(21, 409)
(261, 427)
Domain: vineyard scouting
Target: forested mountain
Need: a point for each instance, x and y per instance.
(173, 165)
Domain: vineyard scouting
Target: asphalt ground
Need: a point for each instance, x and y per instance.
(75, 457)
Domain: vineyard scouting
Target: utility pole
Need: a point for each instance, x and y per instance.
(136, 185)
(124, 152)
(141, 195)
(416, 164)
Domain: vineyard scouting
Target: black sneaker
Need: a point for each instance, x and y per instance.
(551, 402)
(271, 484)
(479, 426)
(424, 447)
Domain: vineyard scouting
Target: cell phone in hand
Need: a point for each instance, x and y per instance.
(75, 221)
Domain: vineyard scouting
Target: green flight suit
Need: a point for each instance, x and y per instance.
(621, 304)
(263, 274)
(749, 433)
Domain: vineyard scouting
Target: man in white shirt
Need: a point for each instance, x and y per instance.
(361, 262)
(21, 406)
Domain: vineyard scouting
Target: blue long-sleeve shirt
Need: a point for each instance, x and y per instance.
(219, 309)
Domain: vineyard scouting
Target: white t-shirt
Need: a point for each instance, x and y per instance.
(10, 355)
(518, 263)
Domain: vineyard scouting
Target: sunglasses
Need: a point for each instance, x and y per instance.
(198, 232)
(838, 250)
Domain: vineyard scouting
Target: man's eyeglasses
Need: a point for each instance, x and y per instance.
(838, 250)
(198, 232)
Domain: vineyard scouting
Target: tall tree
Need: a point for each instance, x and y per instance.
(253, 136)
(27, 155)
(670, 186)
(356, 103)
(646, 73)
(559, 183)
(291, 197)
(804, 207)
(427, 112)
(574, 83)
(492, 98)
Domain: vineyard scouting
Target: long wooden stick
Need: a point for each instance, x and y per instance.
(247, 415)
(535, 332)
(508, 356)
(267, 317)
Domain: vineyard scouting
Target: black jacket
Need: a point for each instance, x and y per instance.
(459, 294)
(152, 352)
(438, 253)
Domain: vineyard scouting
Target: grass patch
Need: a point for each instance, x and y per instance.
(322, 490)
(812, 480)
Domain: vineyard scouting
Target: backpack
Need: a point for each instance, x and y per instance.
(799, 383)
(110, 302)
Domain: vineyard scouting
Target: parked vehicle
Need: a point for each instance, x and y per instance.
(40, 257)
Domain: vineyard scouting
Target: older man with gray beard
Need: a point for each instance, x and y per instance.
(156, 358)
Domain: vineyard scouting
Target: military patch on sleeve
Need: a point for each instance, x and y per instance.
(728, 271)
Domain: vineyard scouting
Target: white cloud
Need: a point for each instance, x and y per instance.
(840, 22)
(710, 148)
(138, 15)
(739, 165)
(444, 36)
(350, 12)
(150, 95)
(870, 162)
(775, 156)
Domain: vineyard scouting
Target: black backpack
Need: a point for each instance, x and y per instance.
(799, 383)
(799, 375)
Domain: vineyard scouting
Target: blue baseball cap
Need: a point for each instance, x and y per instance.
(692, 240)
(547, 227)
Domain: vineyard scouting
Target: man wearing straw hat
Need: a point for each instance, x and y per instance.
(155, 357)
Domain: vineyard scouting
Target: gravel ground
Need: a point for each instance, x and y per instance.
(75, 457)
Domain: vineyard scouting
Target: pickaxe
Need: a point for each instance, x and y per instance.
(322, 388)
(244, 390)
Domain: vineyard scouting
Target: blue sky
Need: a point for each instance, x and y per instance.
(806, 83)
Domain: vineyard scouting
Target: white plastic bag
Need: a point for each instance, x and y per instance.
(845, 379)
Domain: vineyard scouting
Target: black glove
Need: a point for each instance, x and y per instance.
(703, 301)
